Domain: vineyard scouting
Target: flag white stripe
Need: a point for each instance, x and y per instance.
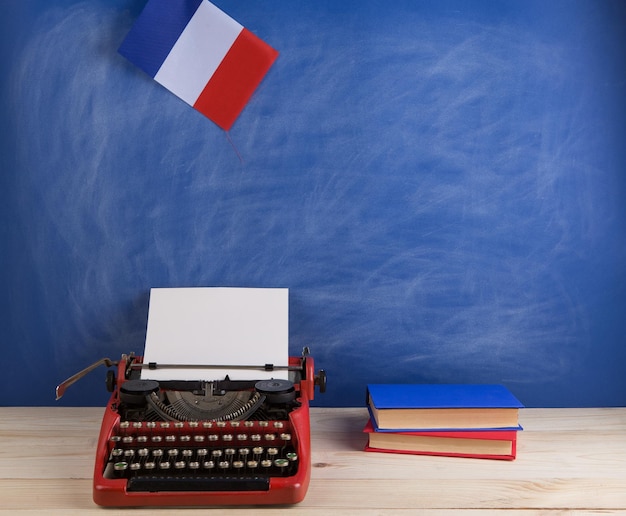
(198, 52)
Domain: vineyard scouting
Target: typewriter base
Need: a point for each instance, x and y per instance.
(282, 490)
(292, 495)
(220, 491)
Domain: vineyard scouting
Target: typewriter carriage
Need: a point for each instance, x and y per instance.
(301, 373)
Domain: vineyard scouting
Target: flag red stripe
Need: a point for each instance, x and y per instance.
(235, 79)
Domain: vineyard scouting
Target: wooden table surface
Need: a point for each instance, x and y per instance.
(569, 460)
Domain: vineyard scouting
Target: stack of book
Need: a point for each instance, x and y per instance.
(455, 420)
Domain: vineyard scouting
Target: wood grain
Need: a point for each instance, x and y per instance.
(569, 460)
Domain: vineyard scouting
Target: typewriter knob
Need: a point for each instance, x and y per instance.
(320, 380)
(276, 390)
(110, 380)
(134, 392)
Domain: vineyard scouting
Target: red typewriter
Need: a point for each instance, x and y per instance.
(203, 443)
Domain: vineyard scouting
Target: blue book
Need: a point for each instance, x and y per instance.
(424, 407)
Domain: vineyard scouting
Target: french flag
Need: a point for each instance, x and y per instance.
(200, 54)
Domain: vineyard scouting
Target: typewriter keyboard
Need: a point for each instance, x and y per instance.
(201, 455)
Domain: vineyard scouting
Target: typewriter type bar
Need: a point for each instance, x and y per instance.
(205, 443)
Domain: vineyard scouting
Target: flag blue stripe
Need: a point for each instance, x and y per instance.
(156, 31)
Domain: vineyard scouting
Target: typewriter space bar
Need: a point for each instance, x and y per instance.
(199, 483)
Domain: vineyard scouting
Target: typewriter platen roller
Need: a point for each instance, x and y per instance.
(203, 443)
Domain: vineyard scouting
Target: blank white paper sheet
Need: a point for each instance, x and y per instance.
(217, 326)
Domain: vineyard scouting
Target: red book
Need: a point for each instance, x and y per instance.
(481, 444)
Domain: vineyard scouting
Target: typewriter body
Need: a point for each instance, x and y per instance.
(203, 443)
(197, 420)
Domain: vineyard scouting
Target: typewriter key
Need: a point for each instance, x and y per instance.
(117, 452)
(149, 465)
(272, 451)
(202, 452)
(208, 464)
(194, 465)
(142, 438)
(278, 424)
(115, 439)
(281, 463)
(292, 456)
(213, 437)
(157, 453)
(164, 465)
(227, 437)
(170, 438)
(181, 464)
(198, 438)
(224, 464)
(127, 439)
(120, 466)
(285, 437)
(157, 438)
(129, 453)
(172, 452)
(187, 453)
(238, 464)
(255, 437)
(135, 466)
(252, 464)
(143, 452)
(266, 463)
(257, 450)
(124, 424)
(216, 453)
(270, 437)
(185, 438)
(229, 452)
(244, 451)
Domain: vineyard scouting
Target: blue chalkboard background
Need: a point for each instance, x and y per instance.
(441, 185)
